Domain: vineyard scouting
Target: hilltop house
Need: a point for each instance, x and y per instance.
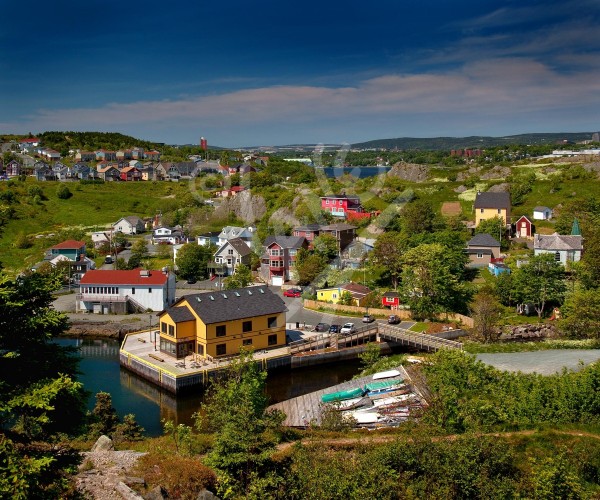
(244, 233)
(232, 253)
(131, 224)
(565, 248)
(482, 249)
(168, 235)
(139, 290)
(489, 205)
(343, 206)
(542, 213)
(279, 257)
(216, 324)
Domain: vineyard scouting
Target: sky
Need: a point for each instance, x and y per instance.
(246, 73)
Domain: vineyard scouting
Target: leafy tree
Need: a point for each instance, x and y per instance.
(540, 281)
(236, 411)
(192, 261)
(387, 253)
(326, 245)
(309, 267)
(140, 249)
(346, 298)
(418, 216)
(370, 355)
(580, 315)
(242, 278)
(63, 192)
(428, 284)
(485, 311)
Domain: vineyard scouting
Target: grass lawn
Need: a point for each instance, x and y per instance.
(92, 206)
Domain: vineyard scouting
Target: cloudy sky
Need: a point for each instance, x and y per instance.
(265, 72)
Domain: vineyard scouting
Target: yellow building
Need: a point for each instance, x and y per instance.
(489, 205)
(217, 324)
(333, 295)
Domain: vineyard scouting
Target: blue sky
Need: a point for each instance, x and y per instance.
(267, 73)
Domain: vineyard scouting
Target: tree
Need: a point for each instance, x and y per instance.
(346, 298)
(192, 261)
(485, 311)
(418, 216)
(580, 315)
(540, 281)
(387, 253)
(326, 245)
(309, 267)
(428, 284)
(63, 192)
(104, 416)
(242, 278)
(496, 228)
(370, 355)
(236, 411)
(139, 253)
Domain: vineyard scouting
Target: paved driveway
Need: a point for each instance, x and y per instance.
(542, 362)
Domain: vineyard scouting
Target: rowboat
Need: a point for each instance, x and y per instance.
(387, 374)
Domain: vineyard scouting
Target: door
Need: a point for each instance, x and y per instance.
(524, 230)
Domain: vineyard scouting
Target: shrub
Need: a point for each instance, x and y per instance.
(182, 477)
(63, 192)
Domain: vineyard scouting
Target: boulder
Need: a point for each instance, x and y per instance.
(104, 443)
(206, 495)
(156, 493)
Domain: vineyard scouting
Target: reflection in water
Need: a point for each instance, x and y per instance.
(131, 394)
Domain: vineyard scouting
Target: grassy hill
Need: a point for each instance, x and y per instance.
(447, 143)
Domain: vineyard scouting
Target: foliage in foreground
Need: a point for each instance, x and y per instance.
(471, 396)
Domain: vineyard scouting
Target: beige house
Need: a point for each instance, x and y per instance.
(489, 205)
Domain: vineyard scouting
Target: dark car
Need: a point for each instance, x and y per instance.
(322, 327)
(367, 318)
(292, 292)
(393, 320)
(108, 259)
(335, 328)
(191, 281)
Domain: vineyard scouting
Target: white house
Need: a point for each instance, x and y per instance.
(542, 213)
(100, 238)
(168, 235)
(565, 248)
(230, 232)
(129, 225)
(105, 291)
(232, 253)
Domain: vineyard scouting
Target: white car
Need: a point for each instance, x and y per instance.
(348, 328)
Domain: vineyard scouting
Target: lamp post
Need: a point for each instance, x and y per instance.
(150, 329)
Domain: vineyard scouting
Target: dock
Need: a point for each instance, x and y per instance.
(303, 411)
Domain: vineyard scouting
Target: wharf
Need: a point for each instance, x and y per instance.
(305, 410)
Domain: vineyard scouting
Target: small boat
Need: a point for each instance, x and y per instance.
(366, 418)
(387, 374)
(391, 401)
(342, 395)
(382, 386)
(397, 391)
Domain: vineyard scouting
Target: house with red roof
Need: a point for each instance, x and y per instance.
(119, 291)
(72, 249)
(342, 205)
(131, 174)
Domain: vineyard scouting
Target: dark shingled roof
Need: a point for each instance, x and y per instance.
(181, 314)
(492, 200)
(285, 241)
(483, 240)
(231, 305)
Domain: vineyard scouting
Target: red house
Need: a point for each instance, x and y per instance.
(391, 300)
(130, 174)
(343, 206)
(523, 227)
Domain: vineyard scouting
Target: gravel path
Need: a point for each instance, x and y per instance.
(542, 362)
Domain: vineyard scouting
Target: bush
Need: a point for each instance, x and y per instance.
(63, 192)
(182, 477)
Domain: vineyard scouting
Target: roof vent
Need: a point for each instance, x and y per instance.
(261, 290)
(144, 273)
(211, 297)
(224, 296)
(249, 292)
(236, 294)
(198, 299)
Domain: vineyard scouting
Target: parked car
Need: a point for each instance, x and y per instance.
(292, 292)
(335, 328)
(191, 281)
(393, 320)
(367, 318)
(108, 259)
(348, 328)
(322, 327)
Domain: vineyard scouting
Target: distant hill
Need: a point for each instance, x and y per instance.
(447, 143)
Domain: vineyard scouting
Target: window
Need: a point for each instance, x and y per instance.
(293, 252)
(221, 349)
(272, 339)
(272, 322)
(149, 290)
(171, 330)
(200, 349)
(481, 210)
(247, 342)
(479, 255)
(230, 251)
(499, 210)
(557, 256)
(247, 326)
(221, 330)
(163, 327)
(132, 291)
(326, 202)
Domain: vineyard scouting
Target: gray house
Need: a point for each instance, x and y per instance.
(481, 249)
(232, 253)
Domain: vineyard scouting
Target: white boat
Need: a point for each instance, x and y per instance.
(391, 401)
(366, 418)
(388, 374)
(348, 403)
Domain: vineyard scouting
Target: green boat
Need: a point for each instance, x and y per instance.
(383, 385)
(342, 395)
